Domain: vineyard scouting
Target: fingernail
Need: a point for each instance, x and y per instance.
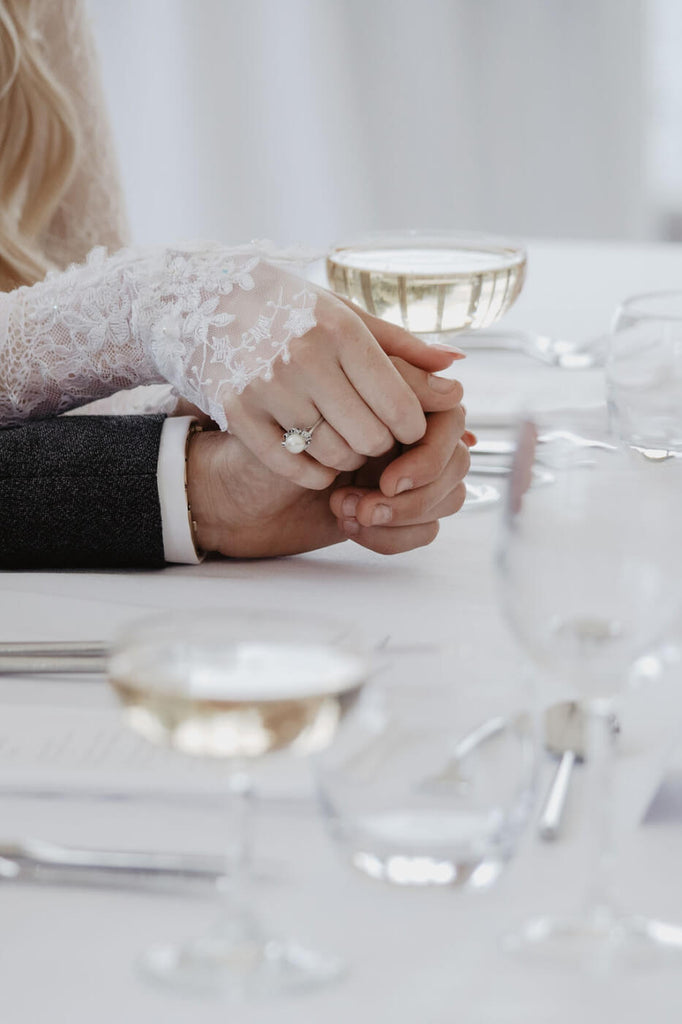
(456, 353)
(442, 384)
(349, 505)
(404, 485)
(381, 514)
(350, 526)
(469, 439)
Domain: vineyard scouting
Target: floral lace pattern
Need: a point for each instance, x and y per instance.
(204, 319)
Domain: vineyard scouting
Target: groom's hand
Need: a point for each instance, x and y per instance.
(391, 504)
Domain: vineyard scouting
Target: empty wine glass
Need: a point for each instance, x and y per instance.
(644, 373)
(590, 579)
(434, 284)
(236, 685)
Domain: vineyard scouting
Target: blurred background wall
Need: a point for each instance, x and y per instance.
(312, 120)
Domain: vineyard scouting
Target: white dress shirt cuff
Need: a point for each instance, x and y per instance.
(171, 478)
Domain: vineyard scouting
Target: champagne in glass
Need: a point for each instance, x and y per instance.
(430, 283)
(236, 686)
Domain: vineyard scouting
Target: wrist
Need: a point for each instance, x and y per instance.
(202, 473)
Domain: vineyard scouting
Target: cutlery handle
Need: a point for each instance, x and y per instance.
(102, 878)
(550, 819)
(51, 664)
(54, 648)
(48, 656)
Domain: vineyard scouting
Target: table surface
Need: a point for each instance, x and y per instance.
(414, 955)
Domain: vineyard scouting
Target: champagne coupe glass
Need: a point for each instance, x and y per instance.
(434, 284)
(590, 579)
(644, 373)
(235, 685)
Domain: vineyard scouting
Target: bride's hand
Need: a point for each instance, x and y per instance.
(367, 382)
(264, 352)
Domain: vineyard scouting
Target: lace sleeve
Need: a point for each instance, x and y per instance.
(205, 319)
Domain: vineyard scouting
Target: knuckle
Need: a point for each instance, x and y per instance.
(290, 471)
(410, 420)
(349, 461)
(304, 471)
(459, 496)
(337, 325)
(376, 442)
(302, 351)
(463, 456)
(317, 477)
(457, 393)
(430, 533)
(341, 459)
(386, 545)
(459, 414)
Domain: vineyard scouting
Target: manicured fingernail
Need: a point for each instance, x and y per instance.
(349, 505)
(442, 384)
(381, 514)
(456, 353)
(469, 439)
(404, 485)
(350, 526)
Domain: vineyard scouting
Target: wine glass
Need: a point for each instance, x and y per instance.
(237, 685)
(590, 579)
(644, 373)
(434, 284)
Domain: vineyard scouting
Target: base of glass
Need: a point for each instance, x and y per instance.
(657, 453)
(413, 869)
(599, 942)
(240, 970)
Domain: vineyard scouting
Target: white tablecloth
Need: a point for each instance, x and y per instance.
(431, 955)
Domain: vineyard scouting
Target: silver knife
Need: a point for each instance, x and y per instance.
(35, 860)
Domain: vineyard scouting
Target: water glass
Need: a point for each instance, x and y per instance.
(430, 782)
(644, 373)
(590, 574)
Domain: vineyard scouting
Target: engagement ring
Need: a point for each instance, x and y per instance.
(297, 439)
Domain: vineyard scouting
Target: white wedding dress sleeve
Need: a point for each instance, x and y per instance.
(208, 320)
(205, 319)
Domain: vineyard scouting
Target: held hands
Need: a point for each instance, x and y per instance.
(369, 381)
(245, 510)
(262, 351)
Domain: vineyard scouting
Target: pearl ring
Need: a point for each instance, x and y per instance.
(297, 439)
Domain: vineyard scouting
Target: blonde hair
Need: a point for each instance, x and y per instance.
(38, 146)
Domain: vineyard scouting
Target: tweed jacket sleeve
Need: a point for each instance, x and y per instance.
(81, 492)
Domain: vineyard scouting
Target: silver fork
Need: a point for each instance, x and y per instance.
(32, 657)
(568, 355)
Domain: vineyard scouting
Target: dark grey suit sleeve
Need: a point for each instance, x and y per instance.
(80, 492)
